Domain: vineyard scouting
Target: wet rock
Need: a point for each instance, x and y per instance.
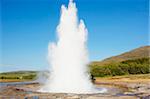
(73, 97)
(29, 92)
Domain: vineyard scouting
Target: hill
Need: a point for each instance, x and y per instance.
(136, 61)
(142, 52)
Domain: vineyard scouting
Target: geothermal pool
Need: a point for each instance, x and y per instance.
(29, 90)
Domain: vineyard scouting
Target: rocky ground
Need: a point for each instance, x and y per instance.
(15, 92)
(28, 91)
(117, 88)
(137, 85)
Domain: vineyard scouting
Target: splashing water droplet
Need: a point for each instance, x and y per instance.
(68, 57)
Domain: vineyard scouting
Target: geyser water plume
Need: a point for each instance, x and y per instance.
(68, 57)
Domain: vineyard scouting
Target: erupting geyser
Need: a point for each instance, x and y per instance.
(68, 57)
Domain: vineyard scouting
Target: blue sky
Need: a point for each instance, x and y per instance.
(27, 26)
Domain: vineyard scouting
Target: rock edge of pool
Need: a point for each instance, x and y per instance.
(28, 90)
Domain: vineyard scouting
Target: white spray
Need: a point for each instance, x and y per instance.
(68, 57)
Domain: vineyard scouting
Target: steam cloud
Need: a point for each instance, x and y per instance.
(68, 57)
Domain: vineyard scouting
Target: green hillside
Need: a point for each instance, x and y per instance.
(141, 52)
(136, 61)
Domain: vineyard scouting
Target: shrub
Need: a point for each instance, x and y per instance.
(136, 66)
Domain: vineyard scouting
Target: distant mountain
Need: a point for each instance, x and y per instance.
(142, 52)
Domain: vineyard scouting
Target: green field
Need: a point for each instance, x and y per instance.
(18, 75)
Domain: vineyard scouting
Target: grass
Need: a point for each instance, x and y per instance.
(136, 76)
(141, 78)
(17, 76)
